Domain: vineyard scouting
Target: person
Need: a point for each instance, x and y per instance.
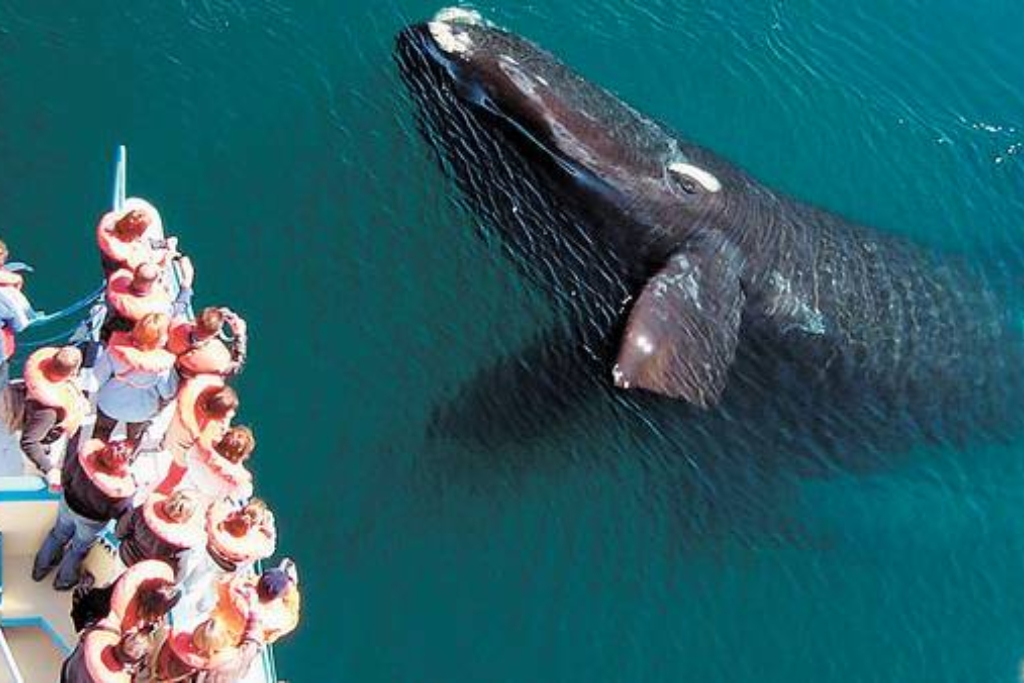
(218, 471)
(202, 350)
(54, 406)
(247, 649)
(131, 294)
(204, 412)
(136, 378)
(16, 313)
(97, 488)
(144, 589)
(235, 539)
(106, 656)
(119, 647)
(277, 599)
(163, 528)
(133, 236)
(204, 651)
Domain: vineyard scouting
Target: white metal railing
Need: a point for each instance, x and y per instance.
(12, 665)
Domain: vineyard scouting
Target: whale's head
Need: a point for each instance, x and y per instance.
(480, 86)
(593, 199)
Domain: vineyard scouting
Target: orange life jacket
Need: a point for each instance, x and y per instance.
(9, 343)
(11, 279)
(258, 542)
(63, 395)
(119, 485)
(202, 428)
(187, 534)
(180, 644)
(100, 662)
(277, 617)
(211, 356)
(233, 480)
(121, 348)
(134, 253)
(124, 604)
(132, 306)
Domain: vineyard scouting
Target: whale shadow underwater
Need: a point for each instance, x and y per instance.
(724, 320)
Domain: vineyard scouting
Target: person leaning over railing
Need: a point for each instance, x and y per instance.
(54, 406)
(97, 487)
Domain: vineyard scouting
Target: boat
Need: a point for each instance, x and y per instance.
(36, 632)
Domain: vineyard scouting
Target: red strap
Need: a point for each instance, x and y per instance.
(175, 474)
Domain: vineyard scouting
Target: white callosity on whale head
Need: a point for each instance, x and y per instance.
(459, 15)
(707, 180)
(444, 29)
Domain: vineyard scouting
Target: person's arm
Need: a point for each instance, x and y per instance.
(17, 311)
(102, 370)
(39, 421)
(167, 387)
(179, 308)
(240, 341)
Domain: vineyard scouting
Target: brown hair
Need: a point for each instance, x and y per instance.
(218, 402)
(115, 455)
(237, 444)
(131, 225)
(238, 522)
(209, 322)
(65, 363)
(156, 598)
(150, 332)
(181, 505)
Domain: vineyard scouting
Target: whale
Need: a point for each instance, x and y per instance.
(680, 279)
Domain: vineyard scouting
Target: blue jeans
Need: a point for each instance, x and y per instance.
(73, 535)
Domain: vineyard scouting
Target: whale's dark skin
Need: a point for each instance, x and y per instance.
(694, 284)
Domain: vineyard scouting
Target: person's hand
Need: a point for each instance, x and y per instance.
(187, 272)
(235, 322)
(53, 480)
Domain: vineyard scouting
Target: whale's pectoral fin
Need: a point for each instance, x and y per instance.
(682, 332)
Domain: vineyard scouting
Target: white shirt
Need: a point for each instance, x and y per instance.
(130, 395)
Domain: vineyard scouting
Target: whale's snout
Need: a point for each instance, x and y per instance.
(451, 29)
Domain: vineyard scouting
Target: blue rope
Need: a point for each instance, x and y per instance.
(70, 310)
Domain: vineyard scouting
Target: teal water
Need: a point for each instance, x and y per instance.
(281, 148)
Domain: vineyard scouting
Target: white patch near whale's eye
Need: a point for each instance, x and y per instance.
(708, 181)
(448, 39)
(459, 15)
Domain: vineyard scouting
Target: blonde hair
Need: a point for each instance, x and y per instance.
(211, 637)
(150, 331)
(65, 362)
(181, 505)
